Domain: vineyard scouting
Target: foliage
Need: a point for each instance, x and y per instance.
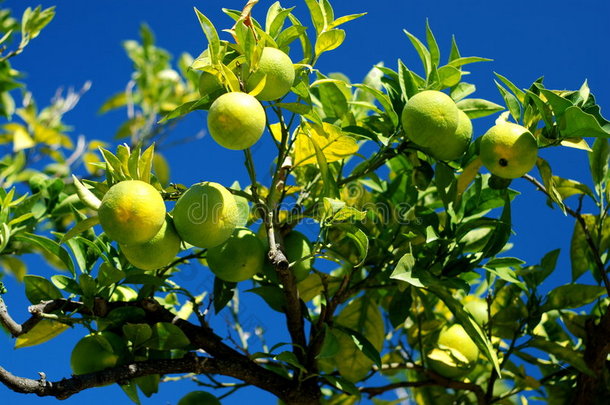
(398, 243)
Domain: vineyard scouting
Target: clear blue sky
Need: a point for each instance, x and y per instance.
(565, 41)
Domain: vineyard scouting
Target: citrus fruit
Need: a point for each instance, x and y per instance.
(239, 258)
(199, 398)
(456, 353)
(296, 247)
(508, 150)
(132, 212)
(97, 352)
(205, 215)
(278, 71)
(157, 252)
(208, 84)
(478, 309)
(454, 146)
(236, 120)
(429, 118)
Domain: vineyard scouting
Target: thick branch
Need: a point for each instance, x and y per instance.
(67, 387)
(202, 337)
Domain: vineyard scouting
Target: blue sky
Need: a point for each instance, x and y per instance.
(564, 41)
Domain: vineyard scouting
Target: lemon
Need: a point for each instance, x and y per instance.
(456, 353)
(132, 212)
(508, 150)
(157, 252)
(199, 398)
(236, 120)
(454, 146)
(429, 118)
(97, 352)
(278, 71)
(477, 307)
(208, 84)
(239, 258)
(205, 215)
(297, 247)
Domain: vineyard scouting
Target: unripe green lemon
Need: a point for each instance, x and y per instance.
(157, 252)
(477, 307)
(97, 352)
(508, 150)
(296, 247)
(454, 146)
(236, 120)
(208, 83)
(239, 258)
(456, 353)
(132, 212)
(429, 118)
(277, 67)
(205, 215)
(199, 398)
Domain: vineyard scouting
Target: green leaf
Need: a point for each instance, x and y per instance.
(520, 94)
(462, 90)
(317, 16)
(562, 353)
(511, 102)
(145, 163)
(547, 179)
(50, 246)
(329, 40)
(223, 293)
(363, 344)
(342, 384)
(383, 99)
(66, 283)
(167, 336)
(422, 51)
(558, 104)
(212, 36)
(567, 187)
(363, 316)
(572, 296)
(407, 81)
(290, 358)
(579, 248)
(80, 227)
(466, 60)
(273, 296)
(575, 123)
(38, 289)
(598, 162)
(478, 107)
(362, 243)
(137, 333)
(435, 54)
(330, 346)
(448, 76)
(344, 19)
(404, 271)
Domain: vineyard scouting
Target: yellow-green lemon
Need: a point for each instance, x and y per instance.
(297, 247)
(278, 71)
(157, 252)
(208, 84)
(456, 353)
(205, 215)
(97, 352)
(454, 146)
(236, 120)
(508, 150)
(239, 258)
(132, 212)
(429, 117)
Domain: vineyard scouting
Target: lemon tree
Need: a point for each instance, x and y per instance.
(386, 264)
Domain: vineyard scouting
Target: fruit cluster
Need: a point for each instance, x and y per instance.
(433, 121)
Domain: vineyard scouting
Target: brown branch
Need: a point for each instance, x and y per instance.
(374, 391)
(376, 162)
(202, 337)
